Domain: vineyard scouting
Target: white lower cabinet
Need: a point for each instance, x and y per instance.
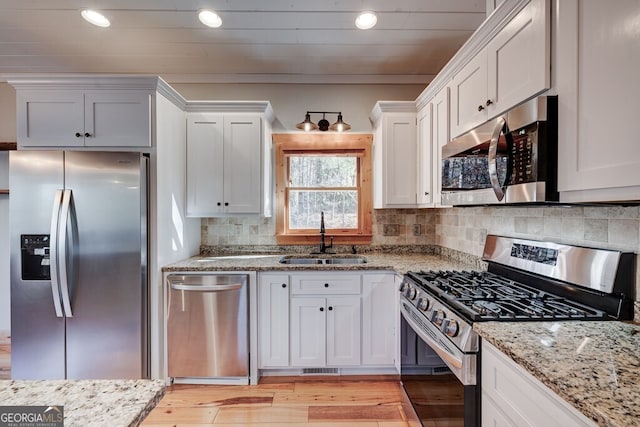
(273, 324)
(513, 397)
(325, 331)
(326, 319)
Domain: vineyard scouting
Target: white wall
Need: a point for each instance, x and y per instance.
(291, 101)
(176, 236)
(7, 134)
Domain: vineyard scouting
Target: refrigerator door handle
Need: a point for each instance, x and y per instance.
(62, 244)
(53, 253)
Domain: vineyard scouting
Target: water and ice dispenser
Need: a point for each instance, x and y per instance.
(35, 261)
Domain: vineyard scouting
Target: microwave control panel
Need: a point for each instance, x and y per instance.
(524, 156)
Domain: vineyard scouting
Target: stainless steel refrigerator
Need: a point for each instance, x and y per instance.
(79, 284)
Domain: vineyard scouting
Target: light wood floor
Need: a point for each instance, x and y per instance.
(301, 401)
(5, 356)
(305, 401)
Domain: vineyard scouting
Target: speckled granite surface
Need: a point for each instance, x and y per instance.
(400, 263)
(594, 366)
(107, 403)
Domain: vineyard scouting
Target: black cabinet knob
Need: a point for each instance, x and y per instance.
(219, 204)
(326, 285)
(321, 308)
(330, 308)
(226, 203)
(480, 108)
(489, 102)
(78, 135)
(87, 134)
(284, 285)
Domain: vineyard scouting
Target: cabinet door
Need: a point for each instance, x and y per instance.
(343, 331)
(469, 95)
(380, 319)
(117, 118)
(242, 164)
(205, 172)
(50, 118)
(273, 320)
(400, 142)
(513, 396)
(596, 66)
(441, 114)
(308, 332)
(425, 156)
(518, 59)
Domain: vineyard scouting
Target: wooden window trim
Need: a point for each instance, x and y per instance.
(352, 144)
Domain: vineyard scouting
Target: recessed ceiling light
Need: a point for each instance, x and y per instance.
(96, 18)
(209, 18)
(366, 20)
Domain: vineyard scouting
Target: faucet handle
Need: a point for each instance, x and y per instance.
(322, 230)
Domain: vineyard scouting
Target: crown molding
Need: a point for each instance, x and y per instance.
(498, 19)
(351, 79)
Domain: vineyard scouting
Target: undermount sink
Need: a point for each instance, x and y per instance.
(322, 259)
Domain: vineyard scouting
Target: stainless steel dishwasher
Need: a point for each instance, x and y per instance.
(207, 328)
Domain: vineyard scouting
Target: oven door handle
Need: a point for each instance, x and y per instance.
(440, 351)
(493, 158)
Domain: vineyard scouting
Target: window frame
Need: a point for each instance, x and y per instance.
(317, 143)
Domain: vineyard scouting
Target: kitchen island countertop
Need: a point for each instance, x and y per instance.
(594, 366)
(112, 403)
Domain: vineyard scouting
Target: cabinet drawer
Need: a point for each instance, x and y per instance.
(325, 284)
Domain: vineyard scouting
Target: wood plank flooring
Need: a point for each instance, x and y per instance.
(290, 402)
(316, 401)
(5, 356)
(310, 401)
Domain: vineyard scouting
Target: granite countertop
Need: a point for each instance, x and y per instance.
(109, 403)
(400, 263)
(594, 366)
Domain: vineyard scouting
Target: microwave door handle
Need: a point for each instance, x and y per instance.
(493, 158)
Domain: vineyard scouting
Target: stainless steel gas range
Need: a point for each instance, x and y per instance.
(526, 280)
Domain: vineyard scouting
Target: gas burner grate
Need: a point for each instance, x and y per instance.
(482, 295)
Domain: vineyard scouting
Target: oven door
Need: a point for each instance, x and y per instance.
(463, 365)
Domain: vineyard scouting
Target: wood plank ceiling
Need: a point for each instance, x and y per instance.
(260, 40)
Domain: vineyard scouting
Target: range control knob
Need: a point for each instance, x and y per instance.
(452, 328)
(438, 317)
(403, 286)
(423, 304)
(411, 293)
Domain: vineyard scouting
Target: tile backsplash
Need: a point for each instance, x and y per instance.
(464, 229)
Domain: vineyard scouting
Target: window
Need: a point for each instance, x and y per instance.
(329, 173)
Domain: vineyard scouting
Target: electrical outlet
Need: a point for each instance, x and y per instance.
(417, 229)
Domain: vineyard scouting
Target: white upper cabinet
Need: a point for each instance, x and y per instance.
(394, 154)
(596, 66)
(228, 164)
(425, 157)
(513, 67)
(440, 108)
(87, 112)
(53, 118)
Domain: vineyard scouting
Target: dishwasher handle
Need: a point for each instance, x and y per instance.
(180, 286)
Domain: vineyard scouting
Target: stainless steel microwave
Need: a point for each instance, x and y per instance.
(510, 159)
